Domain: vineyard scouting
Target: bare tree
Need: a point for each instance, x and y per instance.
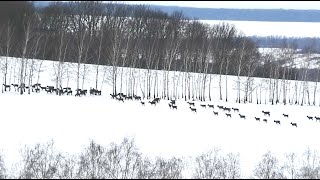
(9, 31)
(100, 35)
(231, 164)
(315, 86)
(173, 41)
(42, 161)
(225, 34)
(115, 36)
(168, 169)
(240, 65)
(91, 162)
(291, 165)
(34, 52)
(212, 165)
(243, 56)
(213, 49)
(286, 57)
(80, 31)
(305, 81)
(116, 161)
(28, 29)
(310, 165)
(93, 11)
(68, 167)
(251, 65)
(3, 171)
(204, 59)
(268, 168)
(43, 57)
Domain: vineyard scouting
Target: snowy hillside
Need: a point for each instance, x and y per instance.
(299, 60)
(158, 130)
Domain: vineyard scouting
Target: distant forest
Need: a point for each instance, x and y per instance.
(270, 15)
(302, 43)
(273, 15)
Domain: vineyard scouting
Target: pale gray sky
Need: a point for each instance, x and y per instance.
(237, 4)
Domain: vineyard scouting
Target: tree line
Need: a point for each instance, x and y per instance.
(120, 35)
(124, 160)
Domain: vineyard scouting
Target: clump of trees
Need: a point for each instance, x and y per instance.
(213, 165)
(116, 161)
(306, 167)
(124, 161)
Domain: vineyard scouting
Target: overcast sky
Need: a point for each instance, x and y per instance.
(237, 4)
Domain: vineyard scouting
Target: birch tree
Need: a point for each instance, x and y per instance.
(29, 21)
(8, 32)
(173, 41)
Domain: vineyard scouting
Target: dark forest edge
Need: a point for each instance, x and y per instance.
(120, 35)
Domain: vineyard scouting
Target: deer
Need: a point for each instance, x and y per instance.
(294, 124)
(193, 109)
(235, 109)
(7, 86)
(210, 105)
(153, 102)
(43, 88)
(37, 90)
(257, 119)
(113, 96)
(285, 115)
(157, 100)
(137, 97)
(203, 105)
(228, 114)
(215, 113)
(120, 99)
(69, 92)
(15, 86)
(220, 107)
(227, 109)
(173, 102)
(277, 121)
(310, 117)
(242, 116)
(266, 113)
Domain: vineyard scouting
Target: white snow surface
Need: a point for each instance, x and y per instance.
(158, 130)
(265, 28)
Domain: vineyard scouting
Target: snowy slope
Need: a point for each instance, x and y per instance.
(158, 130)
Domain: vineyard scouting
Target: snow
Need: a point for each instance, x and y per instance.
(158, 130)
(299, 60)
(259, 28)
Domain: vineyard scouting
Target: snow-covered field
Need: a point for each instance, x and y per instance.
(288, 29)
(158, 130)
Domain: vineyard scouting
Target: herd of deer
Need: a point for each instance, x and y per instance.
(172, 105)
(50, 89)
(121, 97)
